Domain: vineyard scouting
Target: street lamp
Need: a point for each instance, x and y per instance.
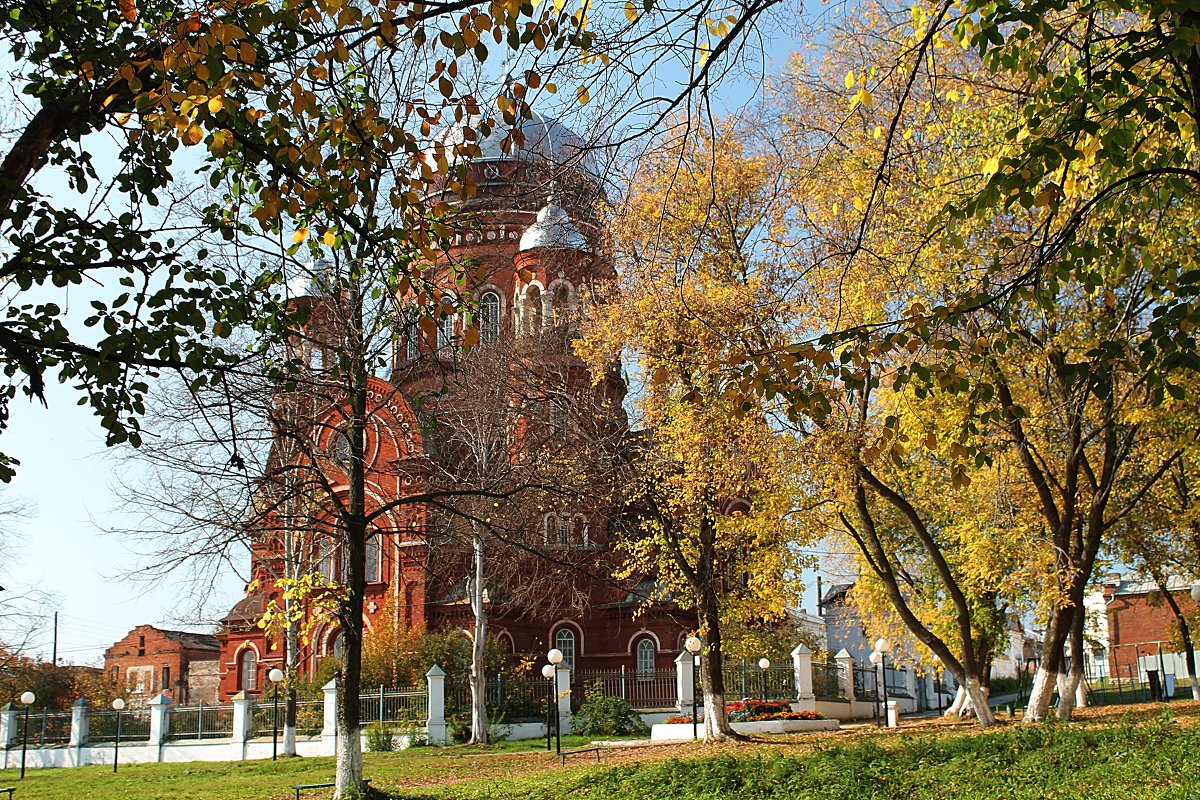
(937, 681)
(1196, 592)
(693, 645)
(764, 664)
(883, 647)
(118, 706)
(27, 699)
(555, 657)
(548, 674)
(876, 659)
(275, 676)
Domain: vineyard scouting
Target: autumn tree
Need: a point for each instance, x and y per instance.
(710, 482)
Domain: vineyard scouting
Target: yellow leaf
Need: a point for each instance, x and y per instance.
(299, 236)
(631, 12)
(330, 238)
(215, 104)
(193, 135)
(581, 94)
(849, 79)
(992, 166)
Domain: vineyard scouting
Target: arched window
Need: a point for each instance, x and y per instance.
(560, 304)
(325, 564)
(372, 563)
(644, 659)
(533, 310)
(564, 640)
(445, 332)
(489, 318)
(412, 342)
(248, 670)
(338, 648)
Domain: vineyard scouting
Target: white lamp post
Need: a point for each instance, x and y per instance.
(764, 664)
(1196, 592)
(555, 657)
(118, 706)
(27, 699)
(548, 674)
(275, 676)
(883, 647)
(693, 645)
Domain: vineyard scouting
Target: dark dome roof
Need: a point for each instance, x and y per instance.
(546, 140)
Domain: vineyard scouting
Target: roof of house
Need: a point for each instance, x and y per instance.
(835, 593)
(1139, 584)
(203, 641)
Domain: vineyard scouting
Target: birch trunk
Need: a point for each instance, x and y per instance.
(977, 697)
(1066, 694)
(479, 721)
(292, 645)
(960, 698)
(1040, 695)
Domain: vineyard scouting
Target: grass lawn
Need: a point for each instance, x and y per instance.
(1122, 754)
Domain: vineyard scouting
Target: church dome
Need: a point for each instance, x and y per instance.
(546, 140)
(553, 228)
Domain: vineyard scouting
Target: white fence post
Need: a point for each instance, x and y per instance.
(685, 680)
(160, 719)
(79, 723)
(8, 724)
(329, 720)
(435, 680)
(243, 719)
(562, 682)
(845, 663)
(802, 665)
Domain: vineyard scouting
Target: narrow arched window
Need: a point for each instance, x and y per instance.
(564, 640)
(371, 568)
(533, 310)
(412, 342)
(445, 332)
(644, 660)
(248, 670)
(560, 305)
(489, 318)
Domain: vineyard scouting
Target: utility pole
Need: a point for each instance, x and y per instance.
(54, 647)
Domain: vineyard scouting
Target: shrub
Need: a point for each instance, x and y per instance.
(380, 738)
(754, 711)
(606, 716)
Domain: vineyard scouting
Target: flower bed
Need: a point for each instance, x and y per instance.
(749, 716)
(751, 710)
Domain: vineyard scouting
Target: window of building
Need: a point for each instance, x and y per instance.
(325, 560)
(556, 530)
(166, 678)
(116, 673)
(532, 316)
(564, 640)
(445, 332)
(248, 670)
(412, 342)
(141, 645)
(644, 659)
(489, 318)
(560, 305)
(372, 562)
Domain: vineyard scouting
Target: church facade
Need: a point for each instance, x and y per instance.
(536, 247)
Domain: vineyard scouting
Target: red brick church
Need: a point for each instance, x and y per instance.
(538, 240)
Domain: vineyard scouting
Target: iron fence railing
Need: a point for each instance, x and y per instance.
(866, 683)
(407, 705)
(45, 728)
(827, 681)
(200, 722)
(648, 689)
(135, 725)
(508, 698)
(745, 679)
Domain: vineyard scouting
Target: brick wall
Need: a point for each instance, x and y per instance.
(1135, 625)
(148, 661)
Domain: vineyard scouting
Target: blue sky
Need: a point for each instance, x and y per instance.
(70, 482)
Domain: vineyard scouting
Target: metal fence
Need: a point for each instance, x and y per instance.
(745, 679)
(135, 725)
(310, 717)
(403, 705)
(200, 722)
(827, 681)
(866, 683)
(644, 690)
(508, 698)
(45, 727)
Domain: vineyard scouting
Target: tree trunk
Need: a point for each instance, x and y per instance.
(479, 721)
(716, 720)
(960, 699)
(977, 695)
(292, 646)
(1066, 695)
(1050, 666)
